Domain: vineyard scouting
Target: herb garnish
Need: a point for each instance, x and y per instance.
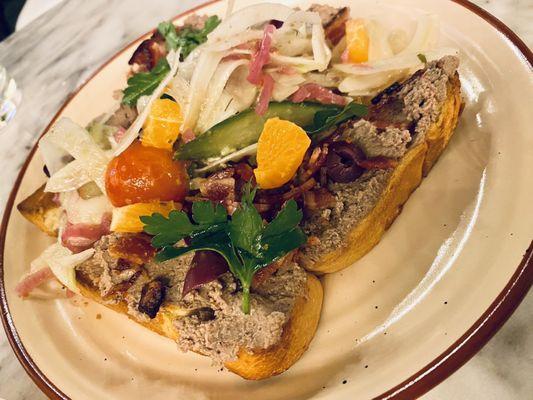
(144, 83)
(422, 58)
(325, 119)
(187, 38)
(245, 242)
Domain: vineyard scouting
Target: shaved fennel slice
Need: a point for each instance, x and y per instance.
(215, 88)
(366, 85)
(179, 89)
(133, 131)
(248, 17)
(242, 92)
(233, 41)
(321, 51)
(54, 157)
(235, 156)
(62, 263)
(379, 47)
(70, 177)
(229, 8)
(285, 85)
(90, 161)
(301, 64)
(206, 67)
(399, 62)
(426, 35)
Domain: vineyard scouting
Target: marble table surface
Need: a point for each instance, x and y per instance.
(55, 53)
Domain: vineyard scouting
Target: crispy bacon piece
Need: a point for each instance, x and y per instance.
(336, 28)
(263, 274)
(313, 91)
(32, 281)
(316, 161)
(377, 163)
(149, 52)
(318, 199)
(293, 193)
(220, 186)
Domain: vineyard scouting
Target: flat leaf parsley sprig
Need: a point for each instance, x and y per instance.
(243, 239)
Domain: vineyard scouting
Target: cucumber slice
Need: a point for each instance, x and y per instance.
(245, 128)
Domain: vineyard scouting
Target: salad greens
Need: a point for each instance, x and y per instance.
(243, 239)
(144, 83)
(187, 38)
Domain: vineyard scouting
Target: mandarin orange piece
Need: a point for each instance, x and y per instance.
(280, 151)
(357, 41)
(127, 218)
(162, 127)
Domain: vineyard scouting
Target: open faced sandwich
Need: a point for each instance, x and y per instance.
(245, 155)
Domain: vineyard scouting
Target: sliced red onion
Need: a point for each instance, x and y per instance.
(261, 57)
(265, 96)
(33, 280)
(313, 91)
(206, 267)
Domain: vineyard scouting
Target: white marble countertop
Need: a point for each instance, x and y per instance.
(54, 54)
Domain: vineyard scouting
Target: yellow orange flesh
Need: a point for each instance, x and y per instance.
(357, 41)
(162, 127)
(127, 218)
(280, 151)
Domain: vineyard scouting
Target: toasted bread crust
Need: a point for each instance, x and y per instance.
(256, 365)
(406, 177)
(40, 209)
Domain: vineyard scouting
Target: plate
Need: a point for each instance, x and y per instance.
(444, 278)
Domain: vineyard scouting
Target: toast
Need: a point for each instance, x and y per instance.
(253, 365)
(405, 178)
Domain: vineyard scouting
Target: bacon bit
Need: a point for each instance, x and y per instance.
(119, 134)
(244, 171)
(146, 56)
(261, 57)
(266, 94)
(220, 186)
(335, 30)
(32, 281)
(263, 274)
(135, 249)
(377, 163)
(318, 199)
(313, 91)
(188, 135)
(313, 241)
(291, 194)
(316, 161)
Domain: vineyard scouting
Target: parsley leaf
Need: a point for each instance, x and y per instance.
(168, 30)
(422, 58)
(187, 38)
(327, 118)
(168, 231)
(245, 242)
(144, 83)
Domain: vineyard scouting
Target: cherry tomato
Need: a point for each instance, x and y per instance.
(142, 174)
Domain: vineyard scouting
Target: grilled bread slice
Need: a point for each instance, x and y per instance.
(254, 365)
(405, 178)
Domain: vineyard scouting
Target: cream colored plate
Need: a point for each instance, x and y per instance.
(442, 264)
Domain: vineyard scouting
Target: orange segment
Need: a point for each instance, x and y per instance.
(162, 127)
(357, 41)
(126, 219)
(280, 151)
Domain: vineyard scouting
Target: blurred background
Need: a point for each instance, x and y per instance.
(15, 14)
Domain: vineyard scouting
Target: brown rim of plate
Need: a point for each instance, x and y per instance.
(415, 386)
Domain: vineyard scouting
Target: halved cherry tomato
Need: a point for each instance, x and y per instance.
(142, 174)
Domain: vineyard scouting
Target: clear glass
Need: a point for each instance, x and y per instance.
(9, 98)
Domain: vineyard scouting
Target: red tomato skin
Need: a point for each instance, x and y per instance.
(142, 174)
